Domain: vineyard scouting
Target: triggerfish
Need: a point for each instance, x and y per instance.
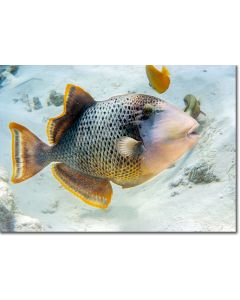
(159, 80)
(126, 139)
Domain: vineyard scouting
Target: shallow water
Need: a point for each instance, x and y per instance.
(169, 202)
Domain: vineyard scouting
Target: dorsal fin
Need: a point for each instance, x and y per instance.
(76, 101)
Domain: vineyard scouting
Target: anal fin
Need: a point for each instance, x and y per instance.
(96, 192)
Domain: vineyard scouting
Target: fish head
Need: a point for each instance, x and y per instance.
(167, 133)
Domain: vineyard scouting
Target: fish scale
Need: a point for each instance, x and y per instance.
(94, 137)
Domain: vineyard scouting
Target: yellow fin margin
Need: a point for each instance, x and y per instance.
(14, 163)
(25, 153)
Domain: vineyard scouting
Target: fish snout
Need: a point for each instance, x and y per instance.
(173, 124)
(190, 127)
(193, 132)
(187, 125)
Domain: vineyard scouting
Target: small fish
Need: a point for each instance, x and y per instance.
(159, 80)
(192, 106)
(127, 139)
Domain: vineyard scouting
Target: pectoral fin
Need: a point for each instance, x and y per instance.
(129, 147)
(96, 192)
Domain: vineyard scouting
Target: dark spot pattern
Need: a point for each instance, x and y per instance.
(90, 144)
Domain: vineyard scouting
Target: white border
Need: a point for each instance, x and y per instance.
(121, 266)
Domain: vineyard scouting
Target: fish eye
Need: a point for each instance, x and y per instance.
(148, 110)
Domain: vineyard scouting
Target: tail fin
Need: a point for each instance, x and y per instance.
(29, 154)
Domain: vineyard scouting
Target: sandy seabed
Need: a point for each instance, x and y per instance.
(197, 194)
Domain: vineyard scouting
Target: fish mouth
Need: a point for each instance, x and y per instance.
(192, 133)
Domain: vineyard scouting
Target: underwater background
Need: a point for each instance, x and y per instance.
(197, 194)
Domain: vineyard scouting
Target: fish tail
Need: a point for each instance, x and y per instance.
(29, 154)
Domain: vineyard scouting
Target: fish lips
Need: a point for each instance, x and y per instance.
(193, 133)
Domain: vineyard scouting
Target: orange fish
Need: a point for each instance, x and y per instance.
(159, 80)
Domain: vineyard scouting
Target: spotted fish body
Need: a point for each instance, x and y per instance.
(127, 140)
(89, 146)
